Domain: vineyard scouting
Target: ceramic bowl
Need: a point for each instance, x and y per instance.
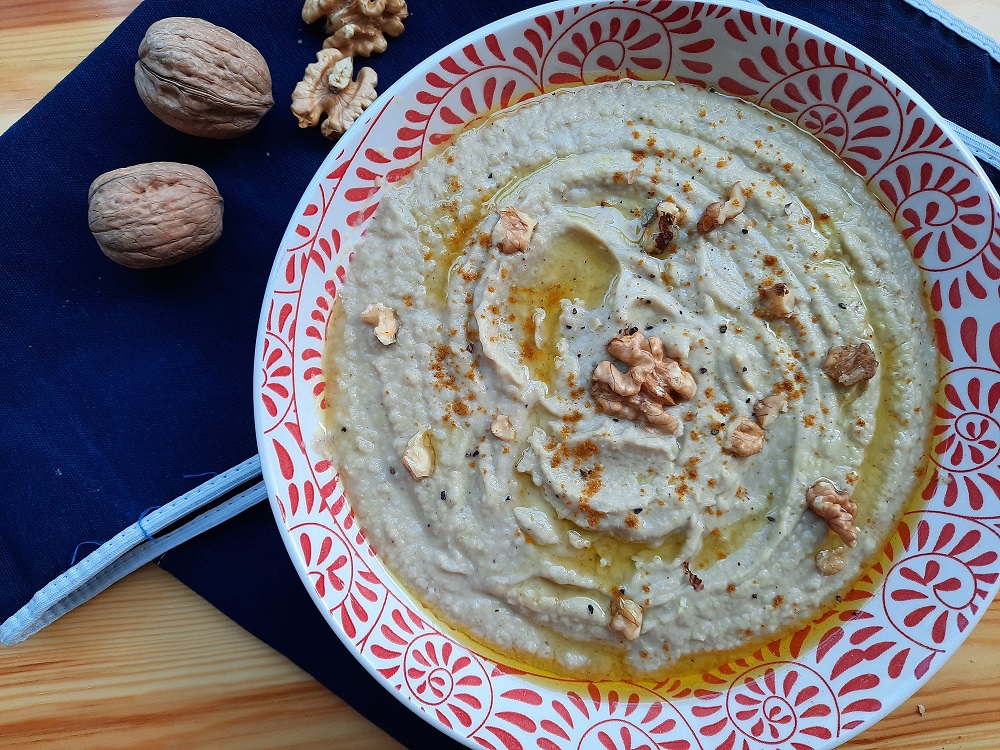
(935, 576)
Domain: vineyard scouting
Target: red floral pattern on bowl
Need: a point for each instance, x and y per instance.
(812, 689)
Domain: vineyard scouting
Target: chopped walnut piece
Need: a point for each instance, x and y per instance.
(661, 230)
(503, 428)
(744, 437)
(767, 409)
(776, 301)
(418, 457)
(357, 27)
(829, 562)
(719, 213)
(653, 382)
(512, 232)
(626, 617)
(631, 177)
(696, 583)
(836, 508)
(383, 319)
(849, 365)
(327, 89)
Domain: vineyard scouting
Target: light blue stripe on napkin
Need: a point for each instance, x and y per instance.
(960, 27)
(135, 546)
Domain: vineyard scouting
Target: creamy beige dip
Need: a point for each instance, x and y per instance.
(524, 543)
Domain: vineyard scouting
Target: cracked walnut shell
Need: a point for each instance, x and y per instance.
(327, 89)
(850, 365)
(154, 214)
(202, 79)
(357, 27)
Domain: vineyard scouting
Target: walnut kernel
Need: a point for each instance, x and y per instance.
(653, 382)
(719, 213)
(850, 365)
(775, 301)
(626, 617)
(836, 508)
(767, 409)
(357, 27)
(744, 437)
(418, 456)
(503, 428)
(327, 89)
(383, 319)
(661, 230)
(512, 232)
(829, 562)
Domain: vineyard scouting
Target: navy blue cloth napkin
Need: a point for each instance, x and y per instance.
(120, 386)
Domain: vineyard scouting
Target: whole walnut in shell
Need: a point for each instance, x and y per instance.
(202, 79)
(154, 214)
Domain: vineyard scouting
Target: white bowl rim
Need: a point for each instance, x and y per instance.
(269, 470)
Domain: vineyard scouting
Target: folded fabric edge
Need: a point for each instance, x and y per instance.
(135, 546)
(956, 24)
(981, 148)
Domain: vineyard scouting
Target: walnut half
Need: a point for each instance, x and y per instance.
(836, 508)
(849, 365)
(653, 382)
(357, 27)
(327, 89)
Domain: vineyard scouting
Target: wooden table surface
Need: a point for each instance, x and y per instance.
(150, 664)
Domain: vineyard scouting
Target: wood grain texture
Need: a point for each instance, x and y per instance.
(150, 664)
(42, 41)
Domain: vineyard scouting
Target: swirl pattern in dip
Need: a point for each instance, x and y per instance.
(540, 513)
